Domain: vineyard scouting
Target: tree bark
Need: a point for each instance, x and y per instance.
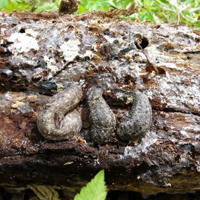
(42, 54)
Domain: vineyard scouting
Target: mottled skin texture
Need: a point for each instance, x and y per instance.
(138, 120)
(102, 119)
(58, 118)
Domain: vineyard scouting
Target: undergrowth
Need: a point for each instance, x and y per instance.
(95, 189)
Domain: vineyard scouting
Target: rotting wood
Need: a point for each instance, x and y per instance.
(42, 54)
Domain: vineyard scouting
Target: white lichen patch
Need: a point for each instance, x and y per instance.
(51, 65)
(136, 151)
(111, 40)
(88, 54)
(166, 59)
(185, 134)
(178, 95)
(183, 36)
(23, 42)
(189, 131)
(70, 49)
(191, 128)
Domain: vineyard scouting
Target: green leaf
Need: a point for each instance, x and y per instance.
(3, 3)
(194, 9)
(11, 6)
(151, 17)
(19, 5)
(94, 190)
(47, 6)
(122, 4)
(90, 5)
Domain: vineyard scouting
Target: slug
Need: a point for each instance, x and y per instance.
(58, 119)
(102, 119)
(138, 120)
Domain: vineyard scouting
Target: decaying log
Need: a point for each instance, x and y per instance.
(41, 55)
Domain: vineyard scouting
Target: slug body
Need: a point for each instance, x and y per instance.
(138, 119)
(58, 119)
(102, 119)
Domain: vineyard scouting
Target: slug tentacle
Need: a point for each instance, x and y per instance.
(58, 119)
(102, 119)
(138, 119)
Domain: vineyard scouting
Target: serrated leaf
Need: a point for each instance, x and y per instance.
(94, 190)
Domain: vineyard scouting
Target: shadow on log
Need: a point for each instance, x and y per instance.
(40, 55)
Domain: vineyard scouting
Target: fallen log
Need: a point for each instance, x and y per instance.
(40, 55)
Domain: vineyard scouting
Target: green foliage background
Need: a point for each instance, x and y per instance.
(186, 12)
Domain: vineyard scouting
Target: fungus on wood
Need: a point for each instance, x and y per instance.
(41, 55)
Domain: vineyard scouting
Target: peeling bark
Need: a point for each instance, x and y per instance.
(42, 54)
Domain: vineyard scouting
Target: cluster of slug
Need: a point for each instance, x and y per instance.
(59, 119)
